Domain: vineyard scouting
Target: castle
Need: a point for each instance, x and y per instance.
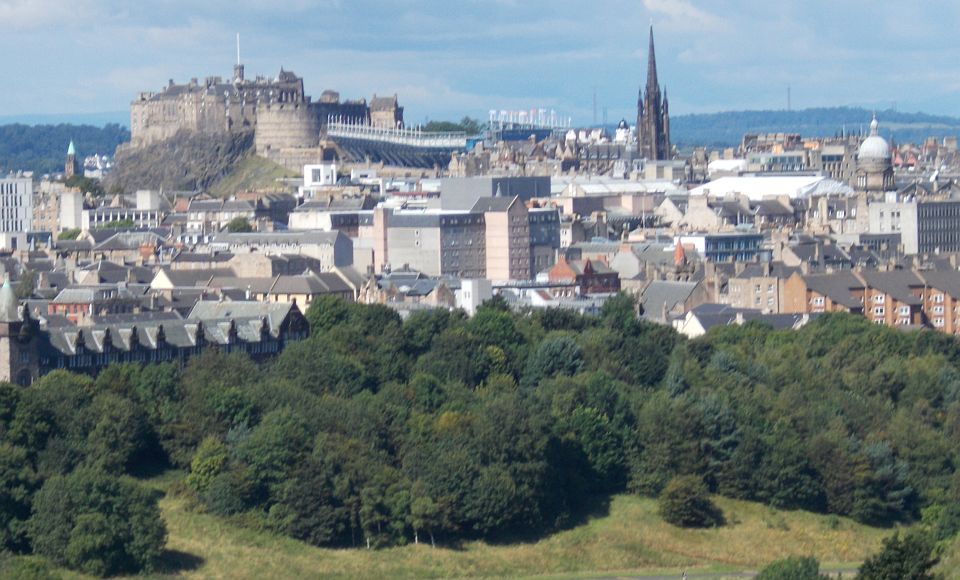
(286, 122)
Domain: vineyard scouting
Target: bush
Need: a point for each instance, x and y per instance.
(208, 462)
(25, 568)
(685, 502)
(908, 558)
(793, 568)
(97, 523)
(239, 225)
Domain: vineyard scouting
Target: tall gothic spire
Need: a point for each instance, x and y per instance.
(653, 118)
(652, 83)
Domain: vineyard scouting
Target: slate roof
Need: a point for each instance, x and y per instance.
(947, 281)
(660, 293)
(710, 315)
(491, 204)
(896, 283)
(837, 286)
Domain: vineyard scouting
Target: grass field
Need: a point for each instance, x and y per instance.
(630, 539)
(251, 173)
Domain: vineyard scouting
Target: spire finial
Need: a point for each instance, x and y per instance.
(651, 64)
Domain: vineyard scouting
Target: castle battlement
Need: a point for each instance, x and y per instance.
(277, 110)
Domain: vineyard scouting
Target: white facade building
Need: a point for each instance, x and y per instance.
(16, 212)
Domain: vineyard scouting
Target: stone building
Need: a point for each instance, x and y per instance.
(386, 112)
(874, 173)
(653, 116)
(283, 118)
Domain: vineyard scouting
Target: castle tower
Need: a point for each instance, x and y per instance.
(71, 168)
(653, 118)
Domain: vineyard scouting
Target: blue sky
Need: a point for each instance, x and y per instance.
(449, 58)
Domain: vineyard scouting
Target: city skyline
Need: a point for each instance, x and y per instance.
(90, 56)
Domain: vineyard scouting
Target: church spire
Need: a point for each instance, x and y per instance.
(652, 83)
(653, 118)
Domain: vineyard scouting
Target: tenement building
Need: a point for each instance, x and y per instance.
(29, 349)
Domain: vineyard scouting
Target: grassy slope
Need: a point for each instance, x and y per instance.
(252, 172)
(631, 538)
(950, 561)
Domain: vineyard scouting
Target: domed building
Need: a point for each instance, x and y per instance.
(874, 172)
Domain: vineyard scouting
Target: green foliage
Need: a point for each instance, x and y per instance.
(17, 484)
(685, 502)
(239, 225)
(560, 355)
(382, 431)
(85, 185)
(209, 462)
(26, 285)
(466, 125)
(26, 568)
(793, 568)
(43, 148)
(70, 234)
(910, 557)
(96, 523)
(124, 224)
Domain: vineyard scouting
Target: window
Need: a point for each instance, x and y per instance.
(904, 311)
(879, 311)
(938, 309)
(938, 298)
(817, 301)
(879, 299)
(938, 322)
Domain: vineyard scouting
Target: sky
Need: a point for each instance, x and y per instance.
(449, 58)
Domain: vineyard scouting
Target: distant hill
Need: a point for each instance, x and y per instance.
(43, 148)
(121, 118)
(727, 129)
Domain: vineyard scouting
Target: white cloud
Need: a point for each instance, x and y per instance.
(683, 15)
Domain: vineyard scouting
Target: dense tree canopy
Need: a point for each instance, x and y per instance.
(377, 432)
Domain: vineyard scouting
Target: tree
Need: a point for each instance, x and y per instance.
(559, 355)
(685, 502)
(239, 225)
(27, 284)
(308, 508)
(274, 447)
(793, 568)
(911, 557)
(17, 484)
(96, 523)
